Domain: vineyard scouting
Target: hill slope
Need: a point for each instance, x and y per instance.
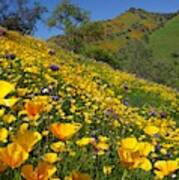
(115, 33)
(94, 121)
(165, 41)
(165, 46)
(131, 25)
(136, 42)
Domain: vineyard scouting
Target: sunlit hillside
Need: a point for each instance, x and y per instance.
(164, 43)
(133, 24)
(67, 117)
(137, 41)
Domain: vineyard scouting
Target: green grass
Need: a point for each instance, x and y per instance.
(165, 41)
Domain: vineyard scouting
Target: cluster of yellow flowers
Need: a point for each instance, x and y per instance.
(133, 154)
(65, 118)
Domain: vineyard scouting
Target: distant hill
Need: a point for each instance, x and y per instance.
(137, 41)
(165, 46)
(165, 41)
(134, 24)
(131, 25)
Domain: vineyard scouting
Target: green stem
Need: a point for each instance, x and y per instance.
(124, 175)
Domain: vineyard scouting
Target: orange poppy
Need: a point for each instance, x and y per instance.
(33, 109)
(43, 171)
(13, 155)
(23, 135)
(64, 131)
(76, 175)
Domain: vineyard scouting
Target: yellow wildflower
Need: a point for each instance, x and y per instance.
(58, 146)
(45, 133)
(102, 146)
(129, 144)
(9, 118)
(2, 111)
(43, 171)
(134, 154)
(163, 151)
(3, 134)
(145, 148)
(151, 130)
(50, 157)
(103, 138)
(13, 155)
(27, 139)
(5, 89)
(107, 170)
(64, 131)
(165, 168)
(85, 141)
(76, 175)
(22, 91)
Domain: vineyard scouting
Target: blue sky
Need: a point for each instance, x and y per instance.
(107, 9)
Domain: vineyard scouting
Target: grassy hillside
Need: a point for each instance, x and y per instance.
(165, 41)
(165, 46)
(69, 117)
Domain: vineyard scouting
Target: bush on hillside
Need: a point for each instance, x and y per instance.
(175, 54)
(100, 55)
(79, 37)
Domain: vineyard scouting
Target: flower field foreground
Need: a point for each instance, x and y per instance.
(64, 117)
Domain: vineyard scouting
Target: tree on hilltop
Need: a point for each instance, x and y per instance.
(68, 16)
(18, 15)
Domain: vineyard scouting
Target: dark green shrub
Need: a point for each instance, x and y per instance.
(100, 55)
(175, 54)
